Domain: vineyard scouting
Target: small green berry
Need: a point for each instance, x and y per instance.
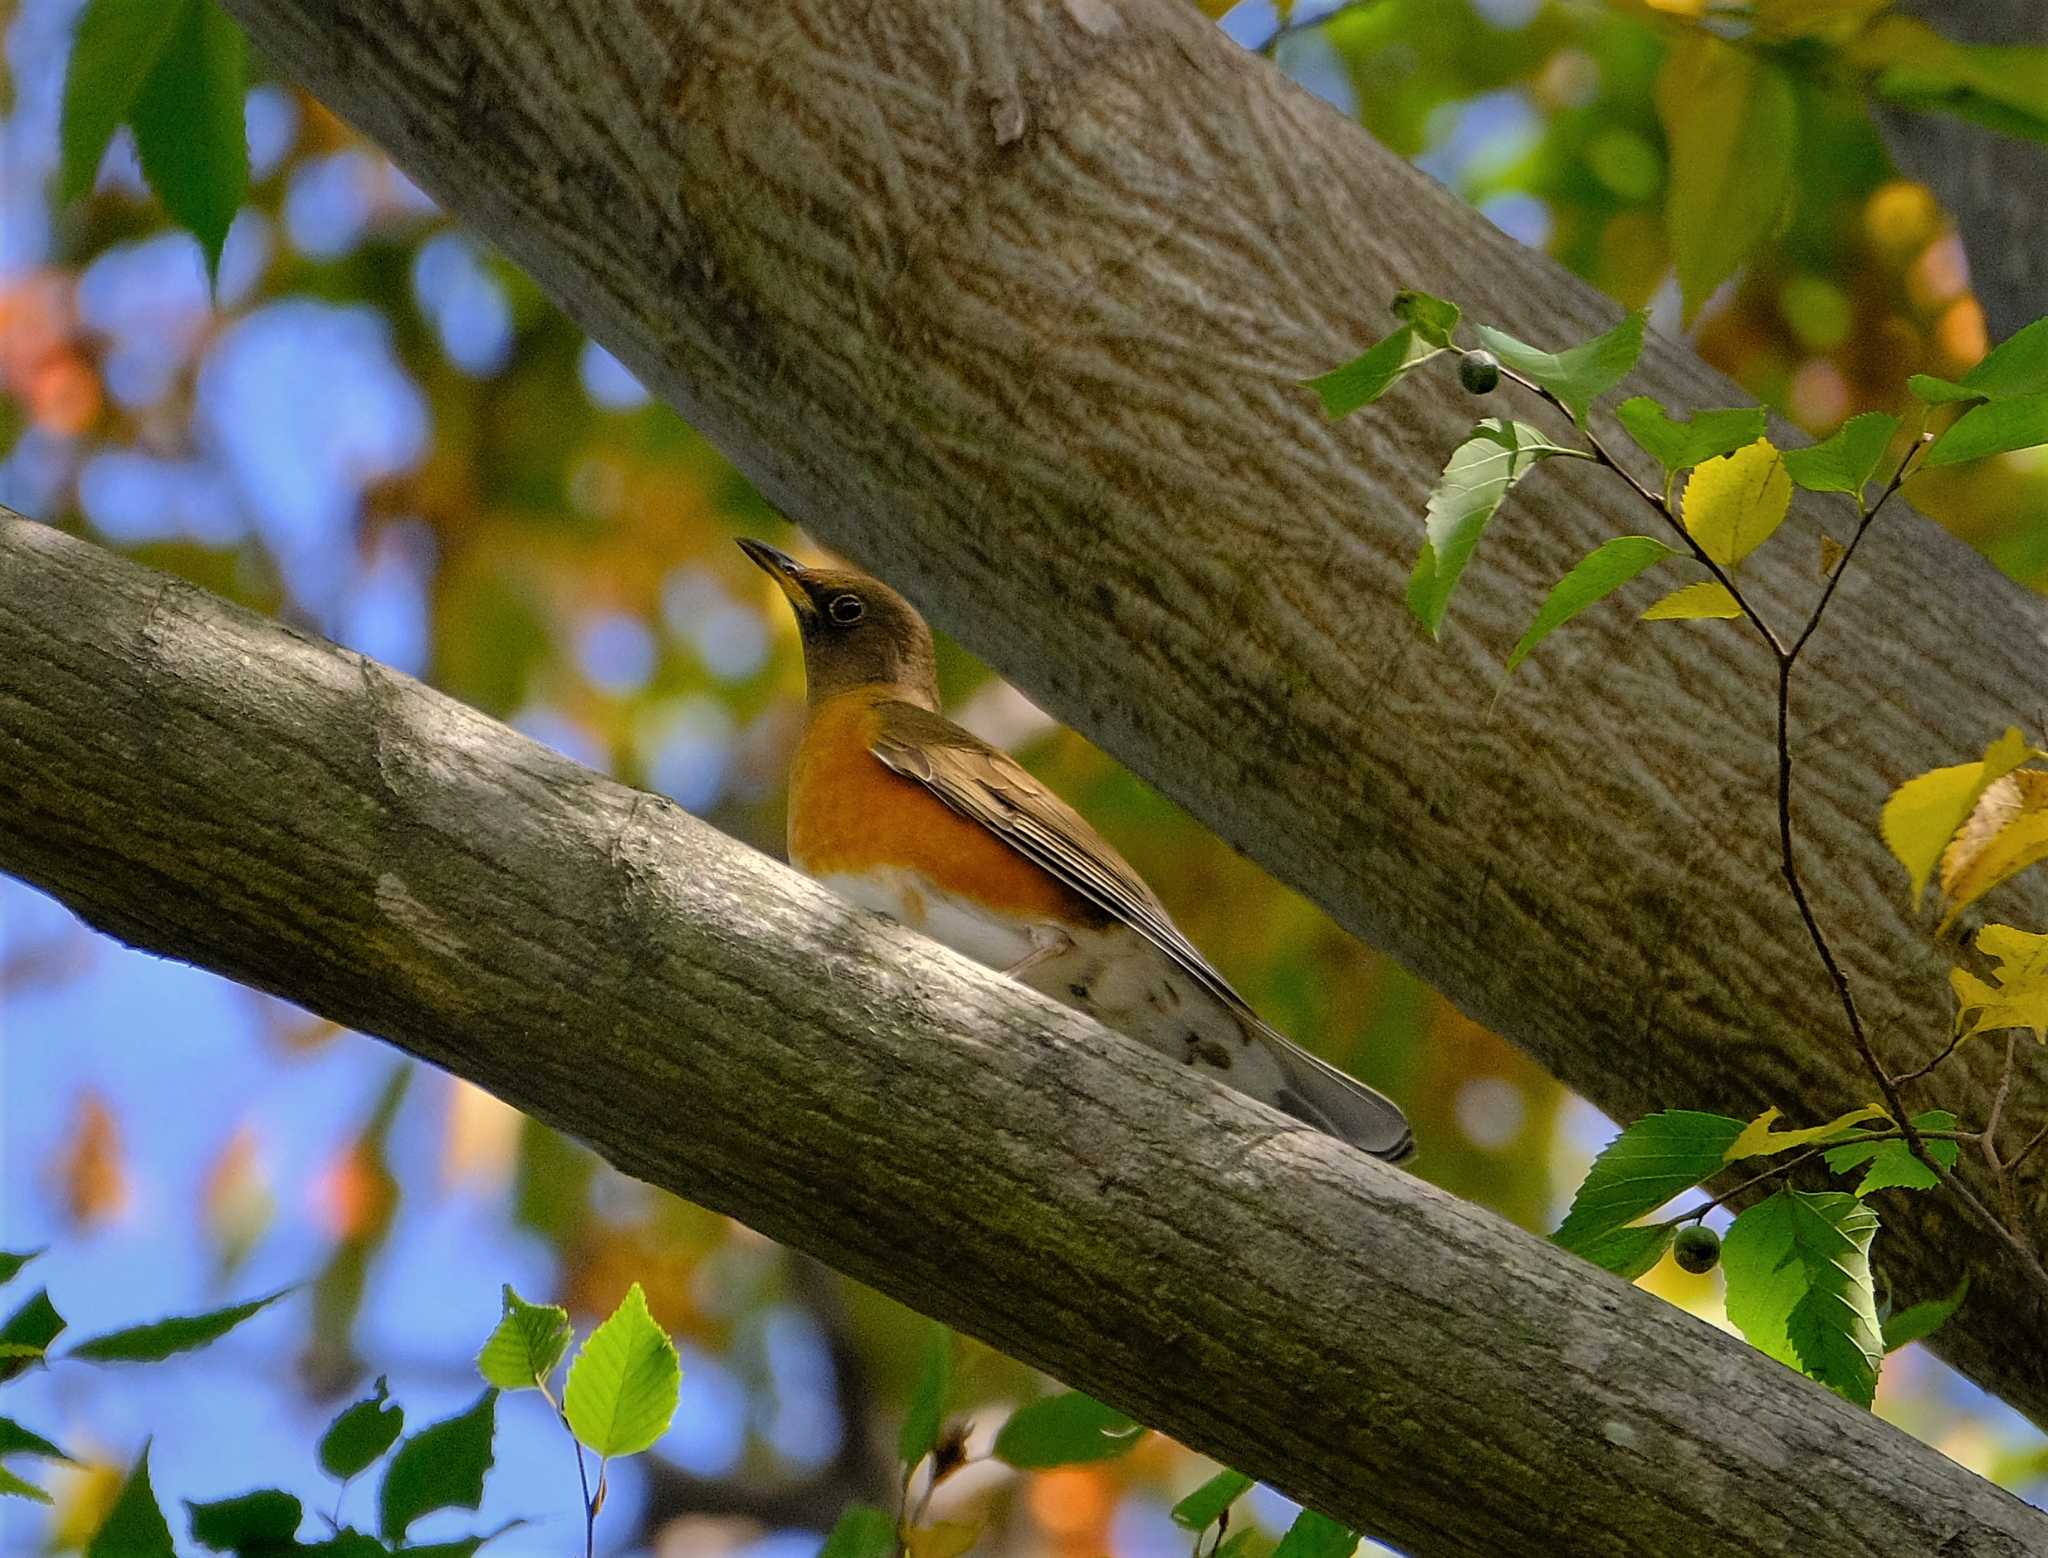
(1479, 372)
(1697, 1249)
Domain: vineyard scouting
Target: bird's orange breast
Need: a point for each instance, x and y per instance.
(850, 813)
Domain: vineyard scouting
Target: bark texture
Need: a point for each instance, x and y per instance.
(1996, 186)
(1008, 298)
(214, 787)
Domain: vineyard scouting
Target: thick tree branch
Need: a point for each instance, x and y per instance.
(1009, 302)
(215, 787)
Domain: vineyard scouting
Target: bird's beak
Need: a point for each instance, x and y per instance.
(783, 569)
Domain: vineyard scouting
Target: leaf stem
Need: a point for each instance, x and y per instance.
(582, 1471)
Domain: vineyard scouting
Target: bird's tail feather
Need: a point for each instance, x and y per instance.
(1318, 1094)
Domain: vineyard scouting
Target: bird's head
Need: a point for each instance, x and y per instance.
(857, 632)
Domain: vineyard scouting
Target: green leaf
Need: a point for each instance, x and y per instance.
(1677, 445)
(461, 1547)
(11, 1263)
(1846, 461)
(1371, 374)
(119, 43)
(2016, 368)
(1477, 478)
(529, 1341)
(440, 1467)
(347, 1542)
(1892, 1164)
(1603, 571)
(162, 1339)
(1433, 318)
(1316, 1536)
(188, 124)
(1579, 376)
(1202, 1508)
(927, 1414)
(16, 1440)
(1065, 1430)
(1731, 119)
(862, 1532)
(624, 1383)
(1798, 1266)
(135, 1527)
(1646, 1165)
(264, 1520)
(360, 1434)
(1920, 1321)
(12, 1486)
(1996, 427)
(28, 1333)
(1629, 1252)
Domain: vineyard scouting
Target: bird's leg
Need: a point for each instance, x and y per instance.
(1047, 943)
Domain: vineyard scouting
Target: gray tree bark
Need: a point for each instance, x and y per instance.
(1996, 186)
(1008, 298)
(211, 786)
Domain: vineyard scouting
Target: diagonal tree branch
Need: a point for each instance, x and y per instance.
(214, 787)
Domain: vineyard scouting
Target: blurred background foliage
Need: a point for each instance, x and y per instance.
(381, 431)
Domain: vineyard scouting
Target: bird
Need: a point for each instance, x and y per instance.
(895, 808)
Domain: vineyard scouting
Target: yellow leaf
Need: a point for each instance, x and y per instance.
(1831, 552)
(2020, 997)
(1758, 1140)
(1734, 503)
(945, 1539)
(1705, 599)
(2006, 833)
(1924, 813)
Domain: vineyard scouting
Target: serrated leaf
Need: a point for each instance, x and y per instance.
(527, 1344)
(12, 1486)
(1371, 374)
(1653, 1160)
(624, 1383)
(2007, 832)
(1735, 503)
(1580, 375)
(942, 1539)
(1926, 812)
(17, 1440)
(1846, 461)
(135, 1527)
(187, 115)
(1920, 1321)
(28, 1333)
(1631, 1251)
(1759, 1140)
(1798, 1286)
(1731, 119)
(440, 1467)
(1475, 480)
(1316, 1536)
(1603, 571)
(361, 1434)
(1065, 1430)
(862, 1532)
(1996, 427)
(2015, 369)
(1202, 1508)
(162, 1339)
(2018, 999)
(927, 1412)
(1693, 602)
(1892, 1164)
(12, 1262)
(119, 43)
(1679, 445)
(267, 1519)
(1433, 318)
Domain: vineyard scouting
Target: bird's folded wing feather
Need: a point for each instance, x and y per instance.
(990, 787)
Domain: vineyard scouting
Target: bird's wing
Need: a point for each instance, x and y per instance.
(990, 787)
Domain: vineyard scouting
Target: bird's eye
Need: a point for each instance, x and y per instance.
(846, 610)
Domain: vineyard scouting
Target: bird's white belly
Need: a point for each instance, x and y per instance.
(956, 922)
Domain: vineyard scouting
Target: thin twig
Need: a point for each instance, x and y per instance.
(2027, 1151)
(1948, 1049)
(582, 1472)
(1863, 524)
(1301, 24)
